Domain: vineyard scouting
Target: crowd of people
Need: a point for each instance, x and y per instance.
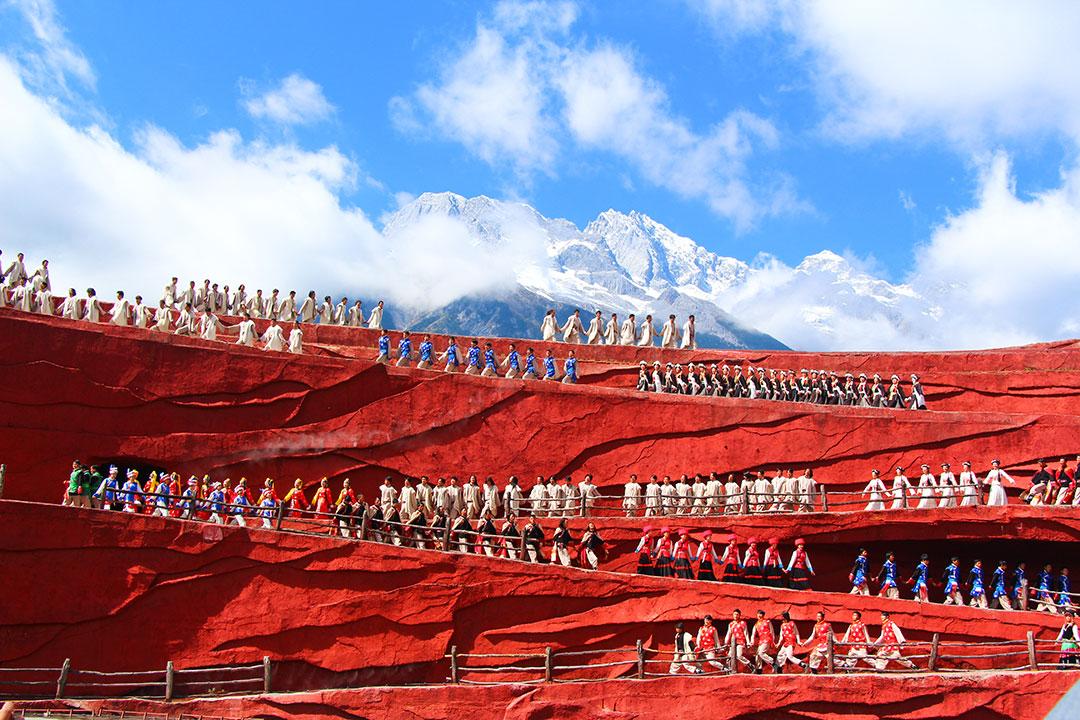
(612, 332)
(673, 553)
(1003, 588)
(441, 516)
(946, 490)
(818, 387)
(477, 360)
(753, 648)
(709, 495)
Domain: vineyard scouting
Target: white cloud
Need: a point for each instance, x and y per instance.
(235, 211)
(524, 88)
(296, 101)
(54, 58)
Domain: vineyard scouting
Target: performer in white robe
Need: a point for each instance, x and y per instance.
(246, 334)
(256, 305)
(714, 490)
(927, 489)
(185, 321)
(43, 300)
(628, 336)
(92, 307)
(169, 294)
(689, 335)
(202, 296)
(274, 337)
(296, 340)
(40, 278)
(807, 492)
(611, 332)
(121, 310)
(140, 314)
(16, 272)
(876, 490)
(947, 487)
(22, 296)
(669, 334)
(993, 478)
(595, 333)
(341, 312)
(549, 327)
(287, 311)
(538, 498)
(239, 300)
(648, 332)
(187, 295)
(325, 311)
(408, 499)
(653, 498)
(572, 329)
(209, 324)
(901, 488)
(71, 308)
(273, 306)
(968, 487)
(631, 496)
(356, 315)
(308, 308)
(162, 318)
(375, 321)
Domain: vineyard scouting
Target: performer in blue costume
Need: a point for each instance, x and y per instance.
(998, 593)
(951, 578)
(886, 577)
(977, 593)
(857, 576)
(919, 579)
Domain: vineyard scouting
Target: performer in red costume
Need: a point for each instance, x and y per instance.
(819, 639)
(855, 640)
(789, 642)
(751, 571)
(772, 571)
(663, 554)
(295, 500)
(682, 556)
(762, 640)
(323, 503)
(644, 552)
(708, 641)
(707, 558)
(737, 637)
(888, 644)
(799, 568)
(729, 561)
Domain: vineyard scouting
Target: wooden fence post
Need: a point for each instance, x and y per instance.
(830, 654)
(732, 658)
(266, 673)
(1032, 661)
(581, 510)
(547, 664)
(168, 681)
(746, 500)
(640, 660)
(3, 471)
(280, 514)
(824, 499)
(61, 683)
(446, 535)
(453, 665)
(1024, 597)
(934, 652)
(363, 525)
(521, 551)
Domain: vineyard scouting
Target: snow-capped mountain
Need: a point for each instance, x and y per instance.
(628, 262)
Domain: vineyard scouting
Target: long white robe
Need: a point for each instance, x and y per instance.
(93, 310)
(669, 335)
(169, 294)
(572, 329)
(375, 321)
(209, 326)
(549, 327)
(997, 490)
(611, 332)
(969, 489)
(901, 486)
(256, 307)
(538, 499)
(274, 338)
(15, 272)
(22, 298)
(628, 336)
(296, 341)
(71, 308)
(631, 497)
(648, 333)
(356, 316)
(341, 312)
(947, 488)
(307, 310)
(876, 489)
(927, 491)
(44, 302)
(409, 500)
(595, 332)
(121, 312)
(287, 310)
(689, 336)
(185, 323)
(140, 315)
(162, 319)
(246, 333)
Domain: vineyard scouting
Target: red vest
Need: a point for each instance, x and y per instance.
(737, 628)
(763, 632)
(787, 634)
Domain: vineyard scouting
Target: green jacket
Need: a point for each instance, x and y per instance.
(74, 482)
(91, 482)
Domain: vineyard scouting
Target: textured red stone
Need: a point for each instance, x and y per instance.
(926, 697)
(82, 584)
(106, 393)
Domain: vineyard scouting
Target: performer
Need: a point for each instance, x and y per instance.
(886, 577)
(730, 570)
(951, 579)
(689, 339)
(968, 487)
(530, 365)
(888, 643)
(534, 540)
(662, 554)
(450, 355)
(772, 565)
(927, 489)
(561, 540)
(404, 350)
(472, 364)
(611, 331)
(628, 334)
(708, 642)
(819, 638)
(683, 557)
(295, 500)
(593, 547)
(595, 333)
(549, 366)
(273, 338)
(918, 397)
(789, 641)
(669, 334)
(356, 315)
(993, 479)
(857, 576)
(707, 558)
(855, 639)
(763, 640)
(246, 333)
(296, 339)
(876, 489)
(460, 531)
(375, 320)
(901, 488)
(511, 537)
(570, 369)
(644, 552)
(631, 495)
(1064, 598)
(977, 593)
(1043, 596)
(1069, 637)
(919, 580)
(736, 638)
(799, 569)
(998, 593)
(512, 363)
(684, 652)
(490, 362)
(648, 333)
(572, 329)
(384, 349)
(652, 498)
(751, 572)
(947, 487)
(549, 326)
(1020, 584)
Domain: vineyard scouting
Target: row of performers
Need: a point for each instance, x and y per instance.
(675, 554)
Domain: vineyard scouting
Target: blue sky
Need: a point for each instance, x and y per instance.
(884, 131)
(180, 65)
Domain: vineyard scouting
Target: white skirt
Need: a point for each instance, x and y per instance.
(997, 494)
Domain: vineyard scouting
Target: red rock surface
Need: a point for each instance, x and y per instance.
(926, 697)
(131, 396)
(82, 584)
